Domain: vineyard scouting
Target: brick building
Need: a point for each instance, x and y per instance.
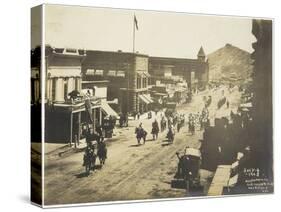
(194, 71)
(119, 78)
(127, 74)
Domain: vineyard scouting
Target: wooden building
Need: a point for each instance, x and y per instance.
(66, 115)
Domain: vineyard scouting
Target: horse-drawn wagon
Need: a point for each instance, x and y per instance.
(187, 175)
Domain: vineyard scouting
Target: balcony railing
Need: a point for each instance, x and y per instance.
(78, 100)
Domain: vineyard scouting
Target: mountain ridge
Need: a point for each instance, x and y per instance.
(230, 64)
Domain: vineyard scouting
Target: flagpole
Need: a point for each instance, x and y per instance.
(134, 33)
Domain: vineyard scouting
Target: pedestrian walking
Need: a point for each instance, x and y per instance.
(155, 129)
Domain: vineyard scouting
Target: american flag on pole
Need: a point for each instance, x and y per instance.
(136, 22)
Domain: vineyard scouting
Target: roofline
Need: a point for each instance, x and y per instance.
(117, 52)
(68, 55)
(128, 53)
(97, 81)
(173, 58)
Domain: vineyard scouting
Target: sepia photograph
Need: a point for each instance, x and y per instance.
(136, 105)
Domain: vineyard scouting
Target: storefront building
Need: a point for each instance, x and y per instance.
(127, 74)
(66, 116)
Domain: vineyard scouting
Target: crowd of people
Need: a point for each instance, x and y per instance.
(172, 123)
(164, 121)
(95, 148)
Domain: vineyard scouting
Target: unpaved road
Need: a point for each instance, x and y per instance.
(131, 172)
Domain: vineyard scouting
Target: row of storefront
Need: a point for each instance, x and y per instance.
(69, 122)
(115, 82)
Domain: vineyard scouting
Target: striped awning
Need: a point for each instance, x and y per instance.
(108, 110)
(146, 74)
(148, 98)
(143, 99)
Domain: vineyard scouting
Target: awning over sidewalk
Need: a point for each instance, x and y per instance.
(146, 74)
(108, 110)
(143, 99)
(160, 94)
(148, 98)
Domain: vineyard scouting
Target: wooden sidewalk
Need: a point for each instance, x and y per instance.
(220, 180)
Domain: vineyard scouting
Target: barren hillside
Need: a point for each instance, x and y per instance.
(230, 64)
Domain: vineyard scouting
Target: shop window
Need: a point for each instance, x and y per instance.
(111, 73)
(90, 71)
(138, 82)
(65, 89)
(99, 72)
(120, 74)
(53, 94)
(144, 82)
(76, 84)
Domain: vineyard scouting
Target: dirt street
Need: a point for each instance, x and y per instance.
(131, 172)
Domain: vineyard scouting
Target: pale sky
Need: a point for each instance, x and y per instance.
(160, 33)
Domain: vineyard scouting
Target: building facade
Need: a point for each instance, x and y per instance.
(68, 110)
(63, 73)
(63, 114)
(194, 71)
(121, 79)
(127, 74)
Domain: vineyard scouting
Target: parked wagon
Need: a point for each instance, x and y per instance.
(187, 175)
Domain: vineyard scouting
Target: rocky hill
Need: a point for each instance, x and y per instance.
(230, 64)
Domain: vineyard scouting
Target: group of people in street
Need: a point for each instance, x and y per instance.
(124, 120)
(95, 148)
(170, 121)
(173, 123)
(166, 123)
(198, 120)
